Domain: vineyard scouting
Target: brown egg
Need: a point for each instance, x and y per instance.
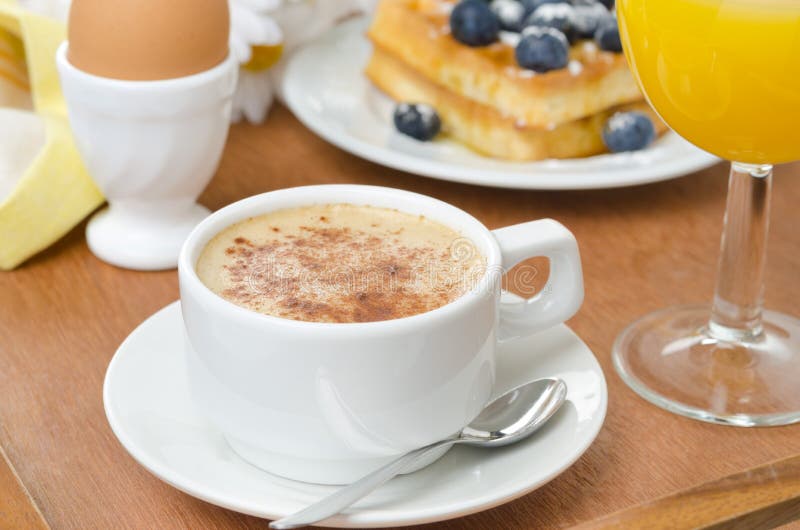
(147, 39)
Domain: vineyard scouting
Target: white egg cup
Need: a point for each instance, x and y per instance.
(151, 147)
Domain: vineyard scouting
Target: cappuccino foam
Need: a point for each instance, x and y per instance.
(340, 263)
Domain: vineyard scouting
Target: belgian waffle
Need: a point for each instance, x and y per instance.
(485, 129)
(417, 33)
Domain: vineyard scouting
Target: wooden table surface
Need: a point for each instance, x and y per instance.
(63, 314)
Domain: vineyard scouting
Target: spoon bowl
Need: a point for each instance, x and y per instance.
(516, 414)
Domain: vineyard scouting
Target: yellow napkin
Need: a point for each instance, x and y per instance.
(55, 192)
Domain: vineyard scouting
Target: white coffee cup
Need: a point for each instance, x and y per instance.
(327, 403)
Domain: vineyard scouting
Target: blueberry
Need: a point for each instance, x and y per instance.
(607, 36)
(628, 131)
(605, 3)
(589, 17)
(542, 49)
(558, 16)
(532, 5)
(509, 13)
(417, 120)
(473, 23)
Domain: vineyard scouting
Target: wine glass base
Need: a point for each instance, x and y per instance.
(669, 358)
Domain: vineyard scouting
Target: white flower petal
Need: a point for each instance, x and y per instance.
(253, 97)
(240, 49)
(258, 5)
(244, 24)
(254, 28)
(271, 32)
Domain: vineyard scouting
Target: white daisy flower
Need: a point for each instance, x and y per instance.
(252, 25)
(256, 42)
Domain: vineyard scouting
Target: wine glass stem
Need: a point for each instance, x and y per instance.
(739, 294)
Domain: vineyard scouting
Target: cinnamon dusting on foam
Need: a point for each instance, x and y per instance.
(340, 263)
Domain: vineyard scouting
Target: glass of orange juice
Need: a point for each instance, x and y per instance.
(725, 75)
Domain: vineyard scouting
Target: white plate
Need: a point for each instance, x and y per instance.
(325, 87)
(148, 405)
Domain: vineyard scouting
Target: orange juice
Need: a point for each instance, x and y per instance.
(724, 74)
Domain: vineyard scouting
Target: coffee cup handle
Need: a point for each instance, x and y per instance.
(561, 296)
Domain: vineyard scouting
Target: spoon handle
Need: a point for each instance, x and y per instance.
(341, 499)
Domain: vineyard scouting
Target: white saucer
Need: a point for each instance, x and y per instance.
(324, 85)
(148, 406)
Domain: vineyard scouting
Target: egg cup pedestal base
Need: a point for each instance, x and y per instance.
(142, 238)
(670, 358)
